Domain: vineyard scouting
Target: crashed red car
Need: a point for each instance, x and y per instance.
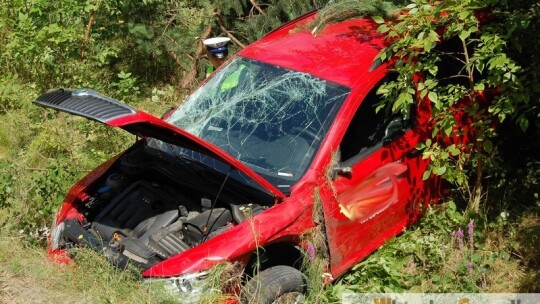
(286, 126)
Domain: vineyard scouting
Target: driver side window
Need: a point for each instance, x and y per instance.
(368, 129)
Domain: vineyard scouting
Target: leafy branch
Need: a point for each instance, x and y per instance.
(462, 69)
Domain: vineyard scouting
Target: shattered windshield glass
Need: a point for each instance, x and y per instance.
(270, 118)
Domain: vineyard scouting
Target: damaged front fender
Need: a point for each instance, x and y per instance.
(288, 219)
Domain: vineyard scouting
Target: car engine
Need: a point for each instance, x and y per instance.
(143, 216)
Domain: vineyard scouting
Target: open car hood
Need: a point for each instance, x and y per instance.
(92, 105)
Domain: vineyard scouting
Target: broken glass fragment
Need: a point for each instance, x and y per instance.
(270, 118)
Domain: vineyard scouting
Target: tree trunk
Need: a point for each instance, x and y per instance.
(475, 201)
(87, 32)
(192, 74)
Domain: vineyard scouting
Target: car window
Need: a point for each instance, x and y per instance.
(270, 118)
(367, 129)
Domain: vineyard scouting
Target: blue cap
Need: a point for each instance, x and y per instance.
(219, 52)
(218, 46)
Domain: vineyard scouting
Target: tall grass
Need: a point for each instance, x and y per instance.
(450, 250)
(27, 276)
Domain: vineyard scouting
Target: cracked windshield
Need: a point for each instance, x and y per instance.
(270, 118)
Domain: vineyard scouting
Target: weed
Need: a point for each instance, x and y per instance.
(27, 274)
(223, 283)
(527, 242)
(6, 183)
(250, 295)
(446, 252)
(316, 260)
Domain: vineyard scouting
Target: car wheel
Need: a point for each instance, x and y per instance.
(278, 284)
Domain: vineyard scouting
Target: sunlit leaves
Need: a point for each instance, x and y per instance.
(434, 98)
(480, 64)
(378, 19)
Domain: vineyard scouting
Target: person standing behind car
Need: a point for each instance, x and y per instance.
(217, 50)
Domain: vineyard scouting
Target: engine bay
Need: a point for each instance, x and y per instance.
(148, 207)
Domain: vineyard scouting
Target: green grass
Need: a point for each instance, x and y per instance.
(502, 257)
(27, 276)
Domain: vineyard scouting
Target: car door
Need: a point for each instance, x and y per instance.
(375, 187)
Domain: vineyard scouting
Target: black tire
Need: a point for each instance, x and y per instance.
(274, 283)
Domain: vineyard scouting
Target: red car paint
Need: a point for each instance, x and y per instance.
(377, 201)
(342, 52)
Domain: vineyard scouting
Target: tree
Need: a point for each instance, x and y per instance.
(461, 50)
(106, 44)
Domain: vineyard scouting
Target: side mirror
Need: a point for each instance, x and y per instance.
(340, 170)
(395, 129)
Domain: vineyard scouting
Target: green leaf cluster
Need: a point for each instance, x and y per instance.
(448, 251)
(467, 64)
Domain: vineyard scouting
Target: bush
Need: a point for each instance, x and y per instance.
(446, 252)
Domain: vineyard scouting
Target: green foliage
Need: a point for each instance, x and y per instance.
(457, 53)
(315, 260)
(443, 159)
(254, 25)
(13, 93)
(343, 10)
(6, 183)
(126, 84)
(113, 46)
(428, 43)
(45, 196)
(447, 252)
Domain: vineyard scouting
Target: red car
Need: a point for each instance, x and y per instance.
(284, 130)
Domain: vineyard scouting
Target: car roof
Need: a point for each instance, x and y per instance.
(341, 52)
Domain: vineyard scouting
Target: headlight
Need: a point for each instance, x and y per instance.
(57, 232)
(188, 288)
